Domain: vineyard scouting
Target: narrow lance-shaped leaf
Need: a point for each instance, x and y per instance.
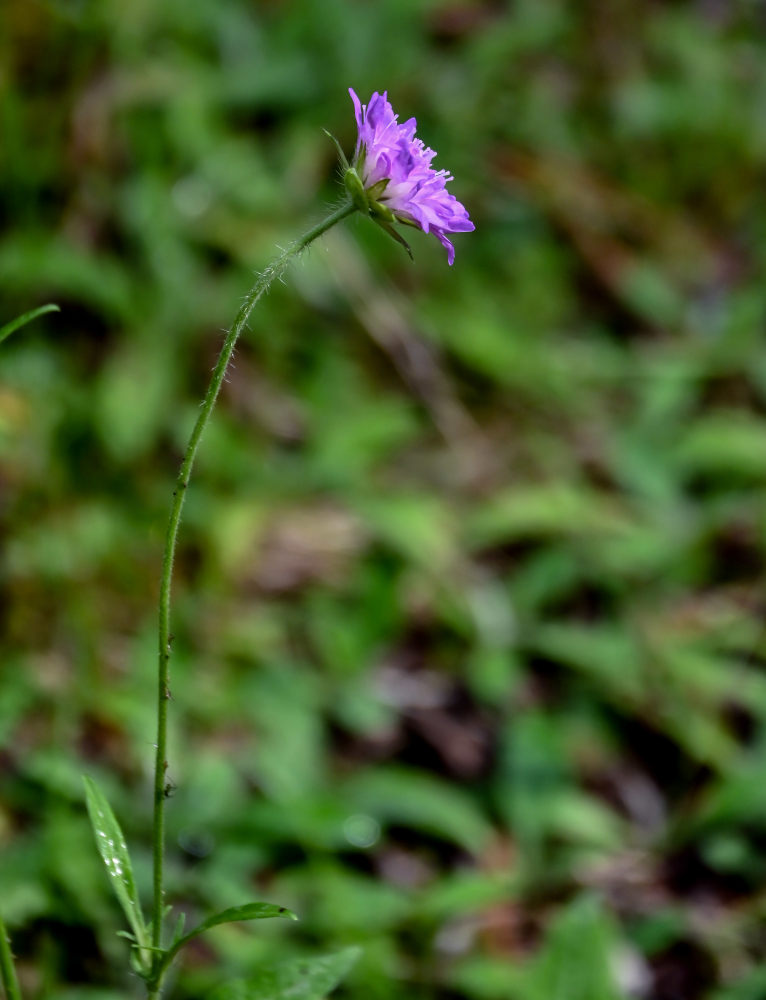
(114, 851)
(250, 911)
(16, 324)
(296, 979)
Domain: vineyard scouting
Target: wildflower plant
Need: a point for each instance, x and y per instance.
(390, 180)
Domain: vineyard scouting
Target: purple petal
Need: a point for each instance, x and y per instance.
(357, 107)
(376, 109)
(448, 246)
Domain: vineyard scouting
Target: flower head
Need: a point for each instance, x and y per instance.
(391, 176)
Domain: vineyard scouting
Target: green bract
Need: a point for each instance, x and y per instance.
(356, 190)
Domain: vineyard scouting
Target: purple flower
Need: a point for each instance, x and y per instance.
(392, 177)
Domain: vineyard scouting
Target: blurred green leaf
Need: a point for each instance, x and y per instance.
(750, 987)
(552, 509)
(578, 958)
(725, 444)
(488, 978)
(419, 527)
(415, 799)
(298, 979)
(606, 653)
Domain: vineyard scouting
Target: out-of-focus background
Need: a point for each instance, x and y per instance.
(469, 624)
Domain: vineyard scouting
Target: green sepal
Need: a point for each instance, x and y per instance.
(356, 190)
(16, 324)
(384, 224)
(377, 190)
(381, 212)
(404, 221)
(113, 849)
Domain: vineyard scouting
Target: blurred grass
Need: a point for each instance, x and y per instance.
(469, 655)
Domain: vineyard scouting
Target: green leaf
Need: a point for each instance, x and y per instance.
(113, 849)
(577, 959)
(15, 324)
(412, 798)
(297, 979)
(549, 510)
(250, 911)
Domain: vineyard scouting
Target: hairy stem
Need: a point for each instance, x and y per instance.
(7, 968)
(262, 285)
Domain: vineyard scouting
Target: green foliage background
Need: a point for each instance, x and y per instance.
(469, 651)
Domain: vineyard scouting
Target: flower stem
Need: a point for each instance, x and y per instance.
(7, 968)
(262, 285)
